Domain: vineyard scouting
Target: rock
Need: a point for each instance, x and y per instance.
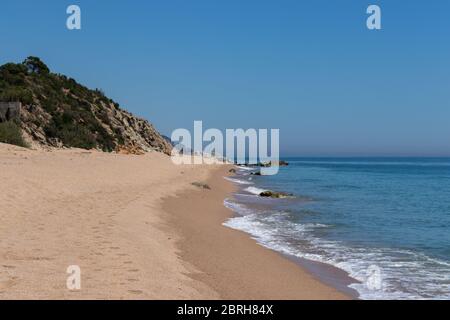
(275, 194)
(232, 170)
(255, 173)
(201, 185)
(281, 163)
(168, 140)
(9, 111)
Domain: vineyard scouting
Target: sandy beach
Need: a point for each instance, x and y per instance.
(137, 228)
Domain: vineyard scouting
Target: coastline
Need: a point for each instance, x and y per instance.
(122, 219)
(99, 211)
(231, 262)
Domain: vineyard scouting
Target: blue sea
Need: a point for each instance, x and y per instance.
(387, 218)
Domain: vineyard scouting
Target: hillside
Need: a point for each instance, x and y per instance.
(56, 111)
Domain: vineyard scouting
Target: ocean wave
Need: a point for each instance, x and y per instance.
(238, 208)
(255, 190)
(246, 168)
(403, 274)
(238, 181)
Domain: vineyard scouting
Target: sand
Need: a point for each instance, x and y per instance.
(136, 227)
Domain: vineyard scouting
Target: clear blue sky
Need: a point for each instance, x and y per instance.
(310, 68)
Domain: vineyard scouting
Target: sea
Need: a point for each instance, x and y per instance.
(385, 222)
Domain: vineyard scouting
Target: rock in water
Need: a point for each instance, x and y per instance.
(275, 194)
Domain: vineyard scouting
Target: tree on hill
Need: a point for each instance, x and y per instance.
(35, 65)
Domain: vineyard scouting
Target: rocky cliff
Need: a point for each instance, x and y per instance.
(56, 111)
(9, 111)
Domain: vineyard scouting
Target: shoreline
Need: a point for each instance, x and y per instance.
(230, 261)
(324, 272)
(136, 227)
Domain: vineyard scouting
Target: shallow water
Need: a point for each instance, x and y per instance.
(386, 221)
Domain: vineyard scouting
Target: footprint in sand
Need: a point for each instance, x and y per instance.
(6, 284)
(136, 291)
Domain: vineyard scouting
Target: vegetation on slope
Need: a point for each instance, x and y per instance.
(59, 111)
(11, 133)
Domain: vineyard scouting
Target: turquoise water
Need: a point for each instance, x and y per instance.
(391, 215)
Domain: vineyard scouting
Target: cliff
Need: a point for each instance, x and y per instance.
(57, 111)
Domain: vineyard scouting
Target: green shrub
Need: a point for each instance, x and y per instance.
(77, 137)
(11, 133)
(16, 94)
(35, 65)
(77, 115)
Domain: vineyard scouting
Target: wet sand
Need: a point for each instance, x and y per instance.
(230, 262)
(136, 227)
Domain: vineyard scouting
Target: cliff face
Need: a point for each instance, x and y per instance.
(57, 111)
(9, 111)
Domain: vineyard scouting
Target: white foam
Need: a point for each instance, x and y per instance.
(254, 190)
(238, 208)
(238, 181)
(246, 168)
(404, 274)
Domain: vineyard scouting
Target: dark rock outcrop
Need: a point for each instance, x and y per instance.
(275, 194)
(281, 163)
(9, 111)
